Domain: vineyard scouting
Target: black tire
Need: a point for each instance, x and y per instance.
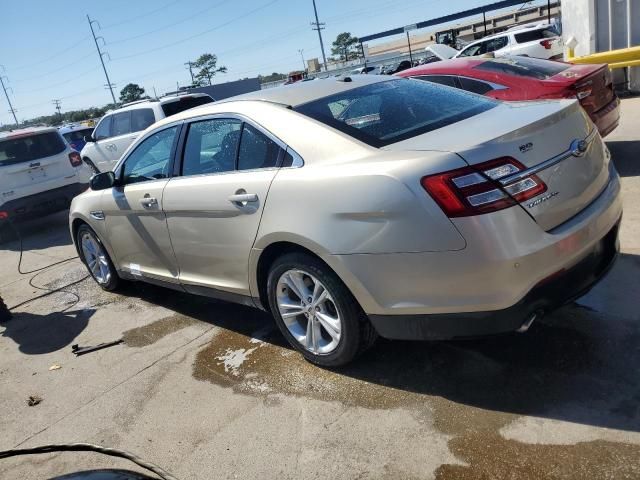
(357, 333)
(91, 165)
(114, 280)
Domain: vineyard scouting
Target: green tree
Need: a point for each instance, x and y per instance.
(272, 78)
(131, 92)
(207, 66)
(345, 46)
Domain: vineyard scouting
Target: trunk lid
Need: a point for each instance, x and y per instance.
(592, 84)
(540, 135)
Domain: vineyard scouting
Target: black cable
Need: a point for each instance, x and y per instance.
(49, 291)
(88, 447)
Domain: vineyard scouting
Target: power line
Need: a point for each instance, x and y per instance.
(146, 14)
(319, 26)
(101, 55)
(50, 57)
(11, 109)
(177, 42)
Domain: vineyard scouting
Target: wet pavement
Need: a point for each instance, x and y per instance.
(208, 389)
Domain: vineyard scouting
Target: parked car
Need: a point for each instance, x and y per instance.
(119, 128)
(539, 40)
(522, 78)
(39, 173)
(437, 52)
(352, 208)
(370, 70)
(75, 134)
(396, 67)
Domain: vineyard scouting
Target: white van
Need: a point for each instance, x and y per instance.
(39, 173)
(119, 128)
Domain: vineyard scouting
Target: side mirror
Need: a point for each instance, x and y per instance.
(89, 139)
(102, 181)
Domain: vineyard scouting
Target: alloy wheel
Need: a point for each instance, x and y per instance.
(96, 258)
(308, 311)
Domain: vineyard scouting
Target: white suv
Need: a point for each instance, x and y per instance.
(539, 40)
(119, 128)
(39, 173)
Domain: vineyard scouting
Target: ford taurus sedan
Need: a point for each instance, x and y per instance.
(362, 206)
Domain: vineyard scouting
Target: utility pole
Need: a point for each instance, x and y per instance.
(109, 85)
(11, 109)
(304, 65)
(189, 65)
(57, 103)
(409, 44)
(319, 26)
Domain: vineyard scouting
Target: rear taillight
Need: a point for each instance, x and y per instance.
(476, 190)
(4, 215)
(75, 159)
(546, 44)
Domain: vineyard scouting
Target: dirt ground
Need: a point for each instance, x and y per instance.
(210, 390)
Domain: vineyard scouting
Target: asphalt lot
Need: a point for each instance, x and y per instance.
(209, 390)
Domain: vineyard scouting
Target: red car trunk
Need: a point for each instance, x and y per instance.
(592, 84)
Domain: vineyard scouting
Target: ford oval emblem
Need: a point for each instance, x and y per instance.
(578, 147)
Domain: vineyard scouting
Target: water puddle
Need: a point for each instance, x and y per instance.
(151, 333)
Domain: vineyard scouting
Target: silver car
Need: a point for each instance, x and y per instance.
(362, 206)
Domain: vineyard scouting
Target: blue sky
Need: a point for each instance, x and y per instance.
(48, 53)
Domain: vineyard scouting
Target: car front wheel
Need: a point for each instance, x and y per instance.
(316, 312)
(96, 258)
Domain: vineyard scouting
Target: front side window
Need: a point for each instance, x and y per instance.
(211, 146)
(141, 119)
(391, 111)
(473, 50)
(121, 124)
(256, 150)
(103, 130)
(151, 159)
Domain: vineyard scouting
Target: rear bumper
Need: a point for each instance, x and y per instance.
(548, 295)
(42, 203)
(607, 118)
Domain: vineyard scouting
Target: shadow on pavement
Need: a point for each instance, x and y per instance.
(625, 157)
(39, 334)
(38, 234)
(576, 365)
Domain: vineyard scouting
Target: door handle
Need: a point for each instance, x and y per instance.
(148, 202)
(243, 198)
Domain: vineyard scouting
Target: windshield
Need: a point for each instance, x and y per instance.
(184, 103)
(387, 112)
(33, 147)
(524, 67)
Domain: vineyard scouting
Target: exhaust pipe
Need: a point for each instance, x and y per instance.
(527, 323)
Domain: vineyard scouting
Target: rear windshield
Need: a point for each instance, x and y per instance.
(77, 135)
(524, 67)
(34, 147)
(538, 34)
(387, 112)
(185, 103)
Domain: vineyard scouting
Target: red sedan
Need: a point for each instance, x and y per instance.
(526, 78)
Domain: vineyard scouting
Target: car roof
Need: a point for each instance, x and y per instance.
(152, 101)
(73, 128)
(517, 29)
(300, 93)
(25, 132)
(459, 64)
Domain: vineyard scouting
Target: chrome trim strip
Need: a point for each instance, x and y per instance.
(571, 151)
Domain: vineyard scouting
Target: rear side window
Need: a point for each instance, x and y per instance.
(256, 150)
(538, 34)
(184, 103)
(27, 149)
(141, 119)
(524, 67)
(121, 124)
(475, 86)
(496, 44)
(448, 80)
(387, 112)
(211, 146)
(77, 135)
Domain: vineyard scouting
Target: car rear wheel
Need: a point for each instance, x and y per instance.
(316, 312)
(96, 258)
